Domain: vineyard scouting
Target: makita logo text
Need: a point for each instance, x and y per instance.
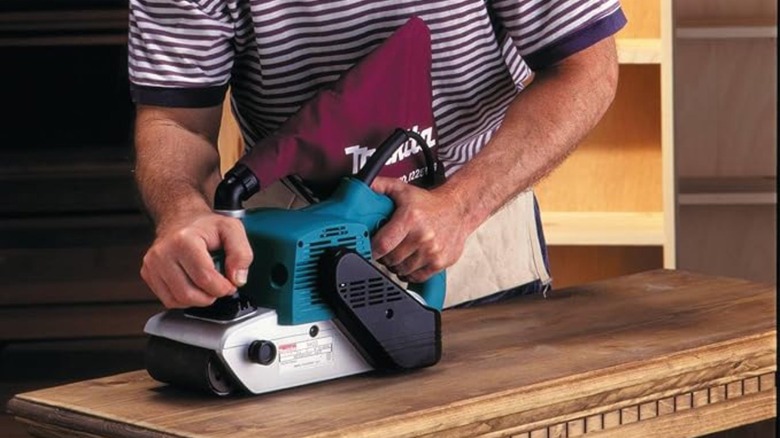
(410, 147)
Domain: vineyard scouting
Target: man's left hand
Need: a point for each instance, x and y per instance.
(425, 234)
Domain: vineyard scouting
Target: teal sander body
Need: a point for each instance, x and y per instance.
(315, 306)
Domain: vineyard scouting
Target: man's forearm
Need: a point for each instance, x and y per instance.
(177, 168)
(542, 126)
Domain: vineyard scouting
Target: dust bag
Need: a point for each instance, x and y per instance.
(333, 134)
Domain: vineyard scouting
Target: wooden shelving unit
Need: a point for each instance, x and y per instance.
(609, 208)
(604, 228)
(725, 103)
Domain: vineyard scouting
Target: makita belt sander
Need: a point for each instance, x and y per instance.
(315, 306)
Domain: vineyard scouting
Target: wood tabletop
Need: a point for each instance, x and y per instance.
(661, 353)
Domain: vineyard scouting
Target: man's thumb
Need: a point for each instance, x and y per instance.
(386, 186)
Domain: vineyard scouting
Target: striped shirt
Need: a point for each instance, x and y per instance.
(276, 54)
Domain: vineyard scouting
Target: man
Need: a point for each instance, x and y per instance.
(497, 133)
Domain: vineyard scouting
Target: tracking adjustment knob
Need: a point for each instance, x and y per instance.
(262, 352)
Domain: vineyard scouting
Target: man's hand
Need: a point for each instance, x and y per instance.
(425, 234)
(179, 269)
(177, 169)
(428, 229)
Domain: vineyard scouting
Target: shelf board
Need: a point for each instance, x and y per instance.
(52, 162)
(55, 27)
(727, 191)
(603, 228)
(67, 40)
(639, 50)
(727, 29)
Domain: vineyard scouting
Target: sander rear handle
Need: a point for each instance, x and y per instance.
(355, 201)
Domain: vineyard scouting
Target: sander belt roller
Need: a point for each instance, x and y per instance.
(188, 366)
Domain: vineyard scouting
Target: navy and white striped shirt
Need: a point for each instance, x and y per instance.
(275, 54)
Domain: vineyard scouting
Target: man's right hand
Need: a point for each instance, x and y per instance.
(179, 269)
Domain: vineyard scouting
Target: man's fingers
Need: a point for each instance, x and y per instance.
(410, 264)
(396, 258)
(426, 259)
(170, 283)
(388, 238)
(422, 238)
(396, 230)
(160, 289)
(387, 186)
(423, 274)
(180, 271)
(183, 290)
(199, 268)
(238, 253)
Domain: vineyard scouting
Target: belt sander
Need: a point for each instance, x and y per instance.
(315, 307)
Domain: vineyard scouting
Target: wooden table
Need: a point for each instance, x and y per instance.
(661, 353)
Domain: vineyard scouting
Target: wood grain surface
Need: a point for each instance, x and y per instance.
(642, 352)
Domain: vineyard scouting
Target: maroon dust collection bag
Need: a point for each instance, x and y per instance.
(333, 134)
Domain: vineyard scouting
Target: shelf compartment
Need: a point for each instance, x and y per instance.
(639, 50)
(729, 240)
(726, 102)
(618, 165)
(644, 19)
(574, 265)
(728, 191)
(603, 228)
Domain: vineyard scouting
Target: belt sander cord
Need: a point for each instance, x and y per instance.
(388, 147)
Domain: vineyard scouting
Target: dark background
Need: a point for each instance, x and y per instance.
(72, 233)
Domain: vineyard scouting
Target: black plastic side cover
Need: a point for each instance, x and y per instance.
(392, 330)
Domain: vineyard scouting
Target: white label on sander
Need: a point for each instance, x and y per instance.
(310, 353)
